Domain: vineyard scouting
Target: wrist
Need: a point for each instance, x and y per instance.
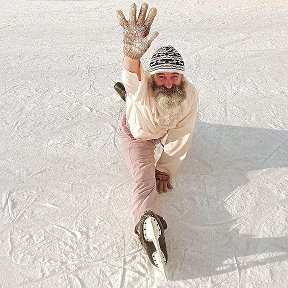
(132, 65)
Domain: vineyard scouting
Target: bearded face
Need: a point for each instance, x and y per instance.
(168, 98)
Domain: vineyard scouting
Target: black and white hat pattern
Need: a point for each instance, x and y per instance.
(167, 59)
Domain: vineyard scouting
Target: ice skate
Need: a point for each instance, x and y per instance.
(150, 230)
(120, 89)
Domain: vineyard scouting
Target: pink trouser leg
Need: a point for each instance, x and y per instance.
(139, 157)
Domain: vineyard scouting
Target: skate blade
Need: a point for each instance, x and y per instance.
(153, 232)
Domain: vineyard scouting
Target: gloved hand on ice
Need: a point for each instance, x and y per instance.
(163, 183)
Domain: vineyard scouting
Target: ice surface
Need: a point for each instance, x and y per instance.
(65, 218)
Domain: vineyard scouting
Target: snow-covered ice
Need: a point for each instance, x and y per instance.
(65, 218)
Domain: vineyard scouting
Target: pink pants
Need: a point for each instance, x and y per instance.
(139, 157)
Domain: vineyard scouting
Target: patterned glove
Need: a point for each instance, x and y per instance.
(163, 183)
(136, 31)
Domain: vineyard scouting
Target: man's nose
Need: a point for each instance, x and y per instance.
(168, 83)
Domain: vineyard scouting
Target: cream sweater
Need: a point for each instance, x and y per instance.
(146, 121)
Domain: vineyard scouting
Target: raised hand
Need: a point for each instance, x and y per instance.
(137, 38)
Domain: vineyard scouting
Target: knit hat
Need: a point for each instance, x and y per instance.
(166, 59)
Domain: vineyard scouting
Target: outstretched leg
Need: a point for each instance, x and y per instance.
(149, 225)
(139, 157)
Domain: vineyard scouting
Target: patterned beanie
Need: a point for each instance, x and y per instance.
(166, 59)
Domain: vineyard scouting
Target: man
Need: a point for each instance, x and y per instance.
(159, 103)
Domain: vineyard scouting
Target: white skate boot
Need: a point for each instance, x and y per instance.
(151, 234)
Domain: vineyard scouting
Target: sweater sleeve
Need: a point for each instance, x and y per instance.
(177, 142)
(134, 88)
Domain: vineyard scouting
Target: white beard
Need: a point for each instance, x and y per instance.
(169, 98)
(168, 103)
(168, 118)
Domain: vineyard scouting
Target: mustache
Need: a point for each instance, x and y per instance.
(168, 91)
